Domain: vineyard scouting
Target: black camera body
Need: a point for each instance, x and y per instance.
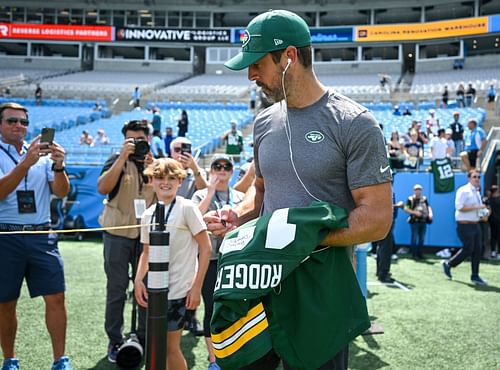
(141, 149)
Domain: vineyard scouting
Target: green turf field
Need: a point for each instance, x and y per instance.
(437, 324)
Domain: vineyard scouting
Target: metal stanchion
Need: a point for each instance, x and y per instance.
(157, 323)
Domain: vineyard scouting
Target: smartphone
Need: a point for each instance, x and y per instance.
(185, 148)
(47, 135)
(46, 139)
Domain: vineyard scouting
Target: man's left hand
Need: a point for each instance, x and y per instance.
(57, 154)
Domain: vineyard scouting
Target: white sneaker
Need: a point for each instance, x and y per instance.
(394, 257)
(493, 254)
(403, 250)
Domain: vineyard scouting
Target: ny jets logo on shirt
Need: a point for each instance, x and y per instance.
(315, 137)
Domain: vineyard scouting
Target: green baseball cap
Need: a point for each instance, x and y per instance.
(270, 31)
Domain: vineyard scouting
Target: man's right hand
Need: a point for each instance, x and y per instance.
(127, 149)
(221, 221)
(34, 152)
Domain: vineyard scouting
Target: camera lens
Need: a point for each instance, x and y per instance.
(141, 149)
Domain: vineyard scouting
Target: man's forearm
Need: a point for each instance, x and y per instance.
(365, 225)
(10, 181)
(60, 186)
(109, 179)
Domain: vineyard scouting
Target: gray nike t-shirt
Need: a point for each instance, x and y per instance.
(335, 144)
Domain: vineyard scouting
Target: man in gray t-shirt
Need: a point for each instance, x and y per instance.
(312, 144)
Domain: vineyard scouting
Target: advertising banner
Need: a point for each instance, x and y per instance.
(55, 32)
(318, 35)
(494, 23)
(191, 35)
(422, 31)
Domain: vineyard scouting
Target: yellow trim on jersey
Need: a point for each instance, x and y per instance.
(241, 332)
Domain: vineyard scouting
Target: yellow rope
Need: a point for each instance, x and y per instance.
(85, 230)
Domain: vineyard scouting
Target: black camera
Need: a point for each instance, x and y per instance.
(141, 149)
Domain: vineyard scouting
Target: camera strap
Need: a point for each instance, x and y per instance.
(167, 215)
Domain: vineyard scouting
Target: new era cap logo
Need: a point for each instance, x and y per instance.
(278, 42)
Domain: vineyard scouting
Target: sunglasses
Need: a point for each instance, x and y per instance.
(226, 167)
(476, 177)
(13, 120)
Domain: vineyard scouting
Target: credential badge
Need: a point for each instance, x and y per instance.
(315, 137)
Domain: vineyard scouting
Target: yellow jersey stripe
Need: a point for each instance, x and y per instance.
(230, 331)
(241, 341)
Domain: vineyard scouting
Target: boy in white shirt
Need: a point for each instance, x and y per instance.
(189, 246)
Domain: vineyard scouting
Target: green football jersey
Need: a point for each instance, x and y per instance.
(444, 179)
(277, 290)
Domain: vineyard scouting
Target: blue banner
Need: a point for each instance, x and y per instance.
(319, 35)
(494, 23)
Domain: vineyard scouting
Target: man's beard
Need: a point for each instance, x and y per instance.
(274, 95)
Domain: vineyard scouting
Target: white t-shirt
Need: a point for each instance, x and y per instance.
(184, 221)
(467, 195)
(439, 147)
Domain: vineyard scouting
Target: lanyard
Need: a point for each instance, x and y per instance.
(16, 163)
(168, 213)
(218, 203)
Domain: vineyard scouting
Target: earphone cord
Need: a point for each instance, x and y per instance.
(288, 133)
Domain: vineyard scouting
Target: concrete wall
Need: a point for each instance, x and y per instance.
(142, 66)
(40, 62)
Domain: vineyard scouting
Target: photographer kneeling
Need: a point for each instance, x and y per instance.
(122, 180)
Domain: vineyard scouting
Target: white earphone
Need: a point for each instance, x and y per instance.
(288, 132)
(288, 62)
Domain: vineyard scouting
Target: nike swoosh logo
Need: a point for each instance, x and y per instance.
(383, 169)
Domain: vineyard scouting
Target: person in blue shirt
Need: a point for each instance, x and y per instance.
(29, 174)
(491, 95)
(136, 97)
(475, 143)
(157, 145)
(169, 137)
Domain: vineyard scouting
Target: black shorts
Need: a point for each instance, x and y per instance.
(176, 314)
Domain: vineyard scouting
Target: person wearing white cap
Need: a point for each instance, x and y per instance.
(233, 139)
(420, 213)
(432, 123)
(102, 138)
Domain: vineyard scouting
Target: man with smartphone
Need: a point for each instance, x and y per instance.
(28, 176)
(196, 179)
(123, 182)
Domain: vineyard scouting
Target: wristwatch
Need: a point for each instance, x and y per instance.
(62, 169)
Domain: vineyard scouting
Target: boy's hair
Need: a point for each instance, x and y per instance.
(165, 166)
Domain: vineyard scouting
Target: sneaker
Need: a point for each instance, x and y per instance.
(394, 257)
(195, 327)
(10, 364)
(386, 280)
(447, 270)
(493, 254)
(113, 352)
(403, 250)
(62, 364)
(477, 280)
(213, 366)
